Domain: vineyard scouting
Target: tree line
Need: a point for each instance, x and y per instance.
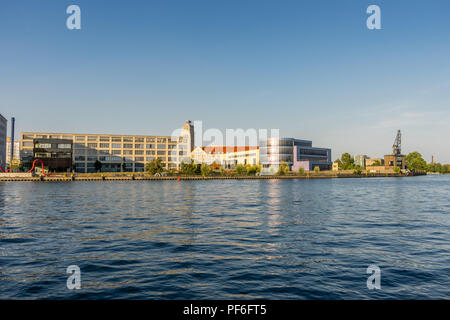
(413, 161)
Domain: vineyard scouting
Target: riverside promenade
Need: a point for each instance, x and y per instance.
(146, 176)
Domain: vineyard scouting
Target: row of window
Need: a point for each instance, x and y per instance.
(127, 146)
(115, 158)
(125, 139)
(44, 155)
(104, 138)
(54, 146)
(128, 152)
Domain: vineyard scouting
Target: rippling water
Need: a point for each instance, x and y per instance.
(254, 239)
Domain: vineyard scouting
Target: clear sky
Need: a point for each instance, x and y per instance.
(310, 68)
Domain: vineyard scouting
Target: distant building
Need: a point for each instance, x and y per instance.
(393, 161)
(118, 152)
(16, 151)
(227, 157)
(370, 162)
(56, 154)
(360, 160)
(3, 133)
(295, 152)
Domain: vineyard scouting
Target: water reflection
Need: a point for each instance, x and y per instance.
(224, 239)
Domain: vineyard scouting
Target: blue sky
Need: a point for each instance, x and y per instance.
(310, 68)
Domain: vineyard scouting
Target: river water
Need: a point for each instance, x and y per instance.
(226, 239)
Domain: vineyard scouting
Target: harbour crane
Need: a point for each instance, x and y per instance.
(397, 147)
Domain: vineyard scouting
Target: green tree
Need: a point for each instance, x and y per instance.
(415, 162)
(253, 169)
(301, 170)
(397, 170)
(283, 169)
(98, 165)
(316, 169)
(206, 170)
(376, 163)
(189, 168)
(241, 170)
(346, 162)
(357, 171)
(154, 166)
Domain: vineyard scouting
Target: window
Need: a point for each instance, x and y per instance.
(104, 139)
(64, 145)
(92, 138)
(161, 153)
(139, 152)
(172, 146)
(43, 145)
(139, 146)
(116, 145)
(128, 152)
(104, 145)
(79, 151)
(43, 155)
(150, 152)
(161, 140)
(92, 145)
(116, 151)
(116, 139)
(150, 146)
(139, 140)
(27, 137)
(80, 158)
(127, 139)
(161, 146)
(139, 158)
(27, 144)
(80, 138)
(128, 145)
(149, 158)
(150, 139)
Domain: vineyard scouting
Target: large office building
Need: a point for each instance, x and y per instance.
(226, 156)
(295, 152)
(117, 153)
(3, 133)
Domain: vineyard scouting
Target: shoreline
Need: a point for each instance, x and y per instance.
(147, 177)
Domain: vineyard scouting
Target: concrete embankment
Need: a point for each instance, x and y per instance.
(137, 177)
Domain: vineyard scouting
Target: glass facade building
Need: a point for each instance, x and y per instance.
(295, 152)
